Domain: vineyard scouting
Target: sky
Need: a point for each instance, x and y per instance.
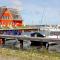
(36, 11)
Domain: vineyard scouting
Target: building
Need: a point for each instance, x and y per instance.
(10, 20)
(10, 17)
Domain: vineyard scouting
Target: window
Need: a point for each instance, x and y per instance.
(54, 33)
(16, 16)
(5, 17)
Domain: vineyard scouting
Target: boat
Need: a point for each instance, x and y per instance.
(50, 32)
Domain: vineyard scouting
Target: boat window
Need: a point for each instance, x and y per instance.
(54, 33)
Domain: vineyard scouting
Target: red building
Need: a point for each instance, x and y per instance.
(10, 17)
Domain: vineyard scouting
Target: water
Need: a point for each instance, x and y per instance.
(26, 44)
(11, 42)
(16, 43)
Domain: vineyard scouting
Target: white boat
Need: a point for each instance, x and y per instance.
(54, 33)
(51, 32)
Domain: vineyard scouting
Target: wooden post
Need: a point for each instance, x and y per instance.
(21, 44)
(47, 46)
(2, 41)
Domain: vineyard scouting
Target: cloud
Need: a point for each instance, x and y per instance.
(17, 4)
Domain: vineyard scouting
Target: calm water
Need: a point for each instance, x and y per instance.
(26, 44)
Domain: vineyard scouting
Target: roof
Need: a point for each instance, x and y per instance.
(14, 12)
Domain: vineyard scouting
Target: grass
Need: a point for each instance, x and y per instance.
(29, 54)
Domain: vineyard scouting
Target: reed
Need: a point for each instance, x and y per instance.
(31, 54)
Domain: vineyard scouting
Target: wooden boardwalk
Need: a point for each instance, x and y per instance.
(21, 37)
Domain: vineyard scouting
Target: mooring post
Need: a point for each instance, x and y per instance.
(2, 41)
(21, 44)
(47, 46)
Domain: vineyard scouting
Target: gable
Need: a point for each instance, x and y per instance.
(7, 15)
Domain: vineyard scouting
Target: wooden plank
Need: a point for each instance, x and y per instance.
(45, 39)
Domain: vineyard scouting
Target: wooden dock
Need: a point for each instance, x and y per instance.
(21, 38)
(44, 39)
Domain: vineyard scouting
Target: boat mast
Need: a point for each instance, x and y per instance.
(43, 14)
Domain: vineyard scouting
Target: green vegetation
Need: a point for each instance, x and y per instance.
(29, 54)
(14, 28)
